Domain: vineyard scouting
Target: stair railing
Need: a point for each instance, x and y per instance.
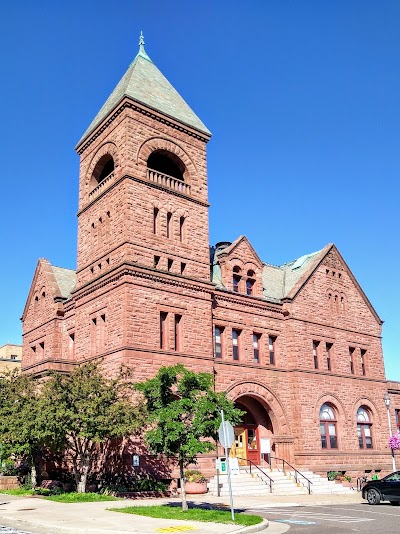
(297, 473)
(255, 466)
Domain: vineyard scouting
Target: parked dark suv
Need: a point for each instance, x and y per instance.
(386, 489)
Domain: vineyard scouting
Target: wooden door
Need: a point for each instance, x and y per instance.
(252, 445)
(239, 446)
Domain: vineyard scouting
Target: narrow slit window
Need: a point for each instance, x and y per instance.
(163, 330)
(351, 358)
(235, 344)
(170, 263)
(315, 354)
(271, 349)
(169, 225)
(218, 341)
(181, 228)
(256, 348)
(177, 332)
(363, 358)
(328, 354)
(155, 220)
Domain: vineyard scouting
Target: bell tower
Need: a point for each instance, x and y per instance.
(143, 181)
(143, 246)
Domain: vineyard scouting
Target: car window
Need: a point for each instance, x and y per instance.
(393, 477)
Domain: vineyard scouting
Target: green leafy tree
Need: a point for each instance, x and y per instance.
(93, 410)
(184, 413)
(26, 429)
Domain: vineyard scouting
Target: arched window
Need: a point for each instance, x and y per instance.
(236, 279)
(327, 426)
(104, 167)
(167, 163)
(250, 281)
(364, 428)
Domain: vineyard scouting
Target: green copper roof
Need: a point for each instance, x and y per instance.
(144, 83)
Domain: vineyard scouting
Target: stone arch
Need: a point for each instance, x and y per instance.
(108, 148)
(329, 398)
(267, 398)
(368, 403)
(159, 143)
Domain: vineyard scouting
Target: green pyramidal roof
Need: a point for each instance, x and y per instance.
(144, 83)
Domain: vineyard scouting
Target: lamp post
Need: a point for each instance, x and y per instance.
(386, 398)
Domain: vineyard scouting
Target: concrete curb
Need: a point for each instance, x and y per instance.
(254, 528)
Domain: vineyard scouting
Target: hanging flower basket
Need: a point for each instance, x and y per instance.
(394, 441)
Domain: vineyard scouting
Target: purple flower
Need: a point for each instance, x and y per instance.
(394, 441)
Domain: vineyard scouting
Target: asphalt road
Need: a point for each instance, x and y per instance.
(340, 519)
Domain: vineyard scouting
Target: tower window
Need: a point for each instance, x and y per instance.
(315, 353)
(167, 163)
(271, 348)
(104, 167)
(250, 282)
(169, 264)
(169, 224)
(177, 332)
(363, 354)
(236, 279)
(351, 357)
(181, 225)
(329, 356)
(155, 220)
(218, 331)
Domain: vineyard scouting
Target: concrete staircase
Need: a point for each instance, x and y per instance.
(256, 483)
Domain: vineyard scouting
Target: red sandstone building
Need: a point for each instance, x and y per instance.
(297, 346)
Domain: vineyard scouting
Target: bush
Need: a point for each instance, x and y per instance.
(332, 475)
(9, 468)
(126, 484)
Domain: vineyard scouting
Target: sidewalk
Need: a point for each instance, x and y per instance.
(39, 516)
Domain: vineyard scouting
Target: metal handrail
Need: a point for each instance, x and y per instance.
(296, 472)
(270, 480)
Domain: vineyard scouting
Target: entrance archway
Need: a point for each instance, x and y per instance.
(255, 426)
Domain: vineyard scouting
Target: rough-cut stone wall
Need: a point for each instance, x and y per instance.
(125, 280)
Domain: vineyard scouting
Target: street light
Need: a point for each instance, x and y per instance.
(386, 398)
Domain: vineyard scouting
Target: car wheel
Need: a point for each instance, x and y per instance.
(394, 503)
(373, 497)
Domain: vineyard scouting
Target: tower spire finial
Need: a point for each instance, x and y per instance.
(141, 42)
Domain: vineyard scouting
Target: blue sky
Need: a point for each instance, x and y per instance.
(302, 98)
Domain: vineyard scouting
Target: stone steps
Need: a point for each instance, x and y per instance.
(256, 483)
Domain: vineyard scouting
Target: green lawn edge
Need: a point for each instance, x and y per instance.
(193, 514)
(80, 497)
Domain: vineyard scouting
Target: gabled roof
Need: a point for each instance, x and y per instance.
(144, 83)
(59, 281)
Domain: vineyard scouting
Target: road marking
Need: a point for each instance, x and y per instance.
(294, 522)
(179, 528)
(369, 511)
(317, 515)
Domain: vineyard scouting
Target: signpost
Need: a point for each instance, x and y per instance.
(226, 436)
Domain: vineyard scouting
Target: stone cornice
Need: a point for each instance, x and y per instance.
(132, 270)
(153, 114)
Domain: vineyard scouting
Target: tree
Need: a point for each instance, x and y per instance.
(184, 412)
(26, 428)
(93, 410)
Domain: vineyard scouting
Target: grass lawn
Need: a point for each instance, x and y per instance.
(80, 497)
(193, 514)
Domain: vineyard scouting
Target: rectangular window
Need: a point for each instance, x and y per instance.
(13, 356)
(218, 341)
(170, 263)
(156, 261)
(271, 348)
(315, 353)
(397, 413)
(181, 226)
(163, 330)
(177, 332)
(155, 220)
(41, 345)
(256, 348)
(363, 355)
(329, 356)
(351, 357)
(183, 267)
(235, 282)
(235, 344)
(169, 219)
